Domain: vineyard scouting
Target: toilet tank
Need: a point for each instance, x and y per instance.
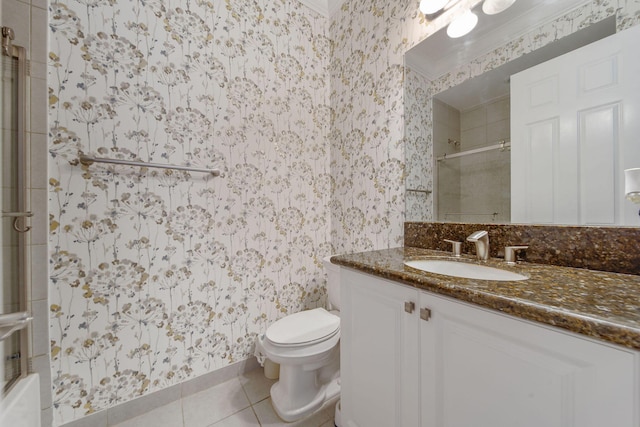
(333, 283)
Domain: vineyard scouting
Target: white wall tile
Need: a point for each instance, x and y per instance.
(38, 160)
(499, 109)
(42, 4)
(42, 367)
(498, 131)
(38, 104)
(40, 313)
(39, 31)
(473, 138)
(46, 417)
(473, 118)
(39, 220)
(38, 70)
(39, 273)
(16, 14)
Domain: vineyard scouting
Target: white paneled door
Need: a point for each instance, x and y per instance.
(575, 126)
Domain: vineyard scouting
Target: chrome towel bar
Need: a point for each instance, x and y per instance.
(85, 160)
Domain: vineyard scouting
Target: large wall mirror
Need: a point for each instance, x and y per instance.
(494, 159)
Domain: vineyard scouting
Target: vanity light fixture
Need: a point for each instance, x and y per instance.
(467, 21)
(491, 7)
(462, 25)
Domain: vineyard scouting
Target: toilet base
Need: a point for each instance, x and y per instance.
(326, 394)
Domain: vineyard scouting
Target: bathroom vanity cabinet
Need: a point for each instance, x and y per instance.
(413, 358)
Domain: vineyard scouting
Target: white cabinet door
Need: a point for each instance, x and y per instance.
(483, 369)
(575, 122)
(378, 352)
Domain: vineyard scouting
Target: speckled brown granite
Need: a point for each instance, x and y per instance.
(615, 249)
(598, 304)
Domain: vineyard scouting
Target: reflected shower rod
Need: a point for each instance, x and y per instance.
(501, 145)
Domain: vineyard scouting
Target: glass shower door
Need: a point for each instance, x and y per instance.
(14, 316)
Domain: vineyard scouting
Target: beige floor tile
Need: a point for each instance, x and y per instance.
(256, 385)
(169, 415)
(319, 418)
(244, 418)
(212, 405)
(268, 417)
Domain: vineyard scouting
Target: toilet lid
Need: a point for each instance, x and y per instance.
(303, 327)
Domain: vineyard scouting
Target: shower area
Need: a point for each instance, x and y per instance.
(473, 162)
(19, 405)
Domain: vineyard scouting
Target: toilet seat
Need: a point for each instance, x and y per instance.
(304, 328)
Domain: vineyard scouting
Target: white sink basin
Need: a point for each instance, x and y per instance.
(464, 269)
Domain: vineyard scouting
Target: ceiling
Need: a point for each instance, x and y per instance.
(325, 7)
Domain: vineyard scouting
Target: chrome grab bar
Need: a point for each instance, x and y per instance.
(9, 323)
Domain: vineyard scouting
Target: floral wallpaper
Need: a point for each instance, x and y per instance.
(418, 148)
(367, 79)
(366, 95)
(157, 276)
(160, 276)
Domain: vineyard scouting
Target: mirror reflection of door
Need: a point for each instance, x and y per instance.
(575, 128)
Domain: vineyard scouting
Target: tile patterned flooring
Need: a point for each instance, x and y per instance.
(242, 401)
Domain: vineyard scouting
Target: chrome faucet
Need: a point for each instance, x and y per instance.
(481, 239)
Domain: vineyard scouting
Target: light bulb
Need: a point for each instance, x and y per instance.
(632, 184)
(462, 25)
(633, 197)
(491, 7)
(429, 7)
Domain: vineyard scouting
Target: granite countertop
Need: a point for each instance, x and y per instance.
(598, 304)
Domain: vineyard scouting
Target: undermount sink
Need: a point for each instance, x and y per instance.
(464, 269)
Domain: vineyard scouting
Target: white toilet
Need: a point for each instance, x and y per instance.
(307, 347)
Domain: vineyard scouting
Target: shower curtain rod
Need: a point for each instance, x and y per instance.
(86, 160)
(499, 146)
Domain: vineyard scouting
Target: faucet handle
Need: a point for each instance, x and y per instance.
(510, 253)
(456, 247)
